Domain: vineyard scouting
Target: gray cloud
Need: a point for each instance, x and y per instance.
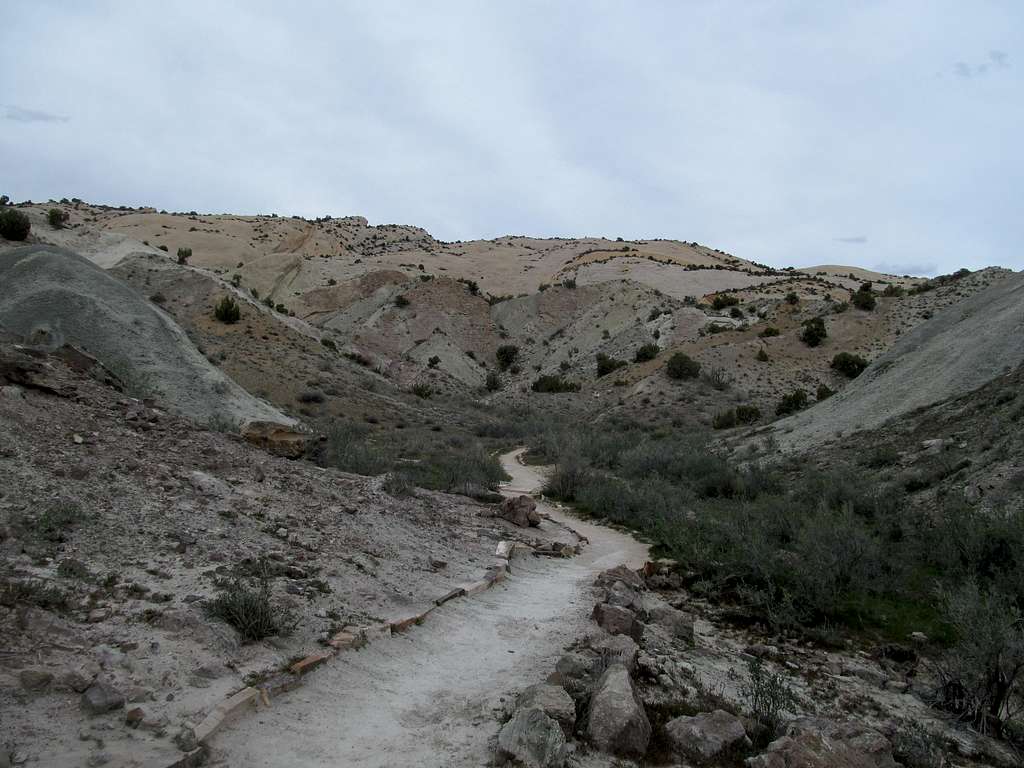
(855, 240)
(22, 115)
(482, 119)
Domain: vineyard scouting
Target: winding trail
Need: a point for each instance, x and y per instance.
(428, 697)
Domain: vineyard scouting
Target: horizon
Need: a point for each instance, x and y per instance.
(881, 136)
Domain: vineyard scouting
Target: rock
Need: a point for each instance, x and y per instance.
(212, 671)
(185, 738)
(707, 736)
(520, 510)
(134, 716)
(762, 651)
(534, 739)
(102, 697)
(617, 723)
(575, 672)
(553, 701)
(920, 638)
(817, 743)
(623, 596)
(619, 649)
(208, 485)
(620, 573)
(677, 623)
(76, 680)
(617, 621)
(35, 679)
(276, 439)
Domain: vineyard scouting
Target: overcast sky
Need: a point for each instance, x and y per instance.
(884, 134)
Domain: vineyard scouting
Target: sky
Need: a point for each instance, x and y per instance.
(880, 134)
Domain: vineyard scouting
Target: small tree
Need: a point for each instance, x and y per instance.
(14, 225)
(646, 352)
(227, 311)
(849, 365)
(56, 217)
(493, 381)
(682, 366)
(506, 355)
(814, 332)
(607, 364)
(863, 298)
(184, 254)
(723, 300)
(792, 299)
(791, 403)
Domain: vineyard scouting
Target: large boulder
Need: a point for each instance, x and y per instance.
(534, 739)
(102, 697)
(624, 596)
(707, 736)
(575, 672)
(520, 510)
(554, 701)
(678, 624)
(620, 573)
(278, 439)
(616, 721)
(818, 743)
(617, 621)
(618, 649)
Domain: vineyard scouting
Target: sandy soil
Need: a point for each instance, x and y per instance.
(429, 697)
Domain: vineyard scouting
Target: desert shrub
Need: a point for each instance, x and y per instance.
(348, 449)
(15, 592)
(251, 611)
(56, 218)
(162, 248)
(768, 332)
(792, 298)
(570, 283)
(184, 254)
(747, 414)
(329, 343)
(607, 364)
(506, 355)
(397, 484)
(422, 390)
(863, 298)
(767, 695)
(311, 396)
(724, 419)
(717, 378)
(14, 225)
(682, 366)
(893, 291)
(472, 285)
(646, 352)
(824, 392)
(723, 300)
(58, 519)
(401, 301)
(552, 383)
(736, 313)
(884, 455)
(791, 403)
(227, 310)
(848, 364)
(762, 355)
(814, 332)
(493, 381)
(433, 362)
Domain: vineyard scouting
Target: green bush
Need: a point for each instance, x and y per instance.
(554, 384)
(724, 419)
(863, 298)
(606, 364)
(251, 611)
(493, 381)
(682, 366)
(723, 300)
(849, 365)
(422, 390)
(14, 225)
(792, 298)
(768, 332)
(791, 403)
(814, 332)
(762, 355)
(184, 254)
(434, 361)
(401, 301)
(56, 520)
(747, 414)
(56, 218)
(768, 695)
(227, 310)
(506, 355)
(646, 352)
(824, 392)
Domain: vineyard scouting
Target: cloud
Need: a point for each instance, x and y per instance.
(999, 58)
(855, 240)
(963, 69)
(22, 115)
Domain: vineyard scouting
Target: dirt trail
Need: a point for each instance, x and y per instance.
(428, 697)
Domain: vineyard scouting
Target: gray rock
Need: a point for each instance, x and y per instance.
(76, 680)
(554, 701)
(619, 649)
(102, 697)
(35, 679)
(678, 624)
(817, 743)
(575, 673)
(617, 723)
(706, 736)
(617, 621)
(623, 596)
(208, 485)
(534, 739)
(620, 573)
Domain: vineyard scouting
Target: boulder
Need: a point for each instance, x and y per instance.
(35, 679)
(616, 722)
(816, 743)
(706, 736)
(575, 673)
(208, 485)
(619, 649)
(276, 439)
(553, 701)
(620, 573)
(677, 623)
(534, 739)
(102, 697)
(624, 596)
(520, 510)
(617, 621)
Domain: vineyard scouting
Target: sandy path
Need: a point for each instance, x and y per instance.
(428, 698)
